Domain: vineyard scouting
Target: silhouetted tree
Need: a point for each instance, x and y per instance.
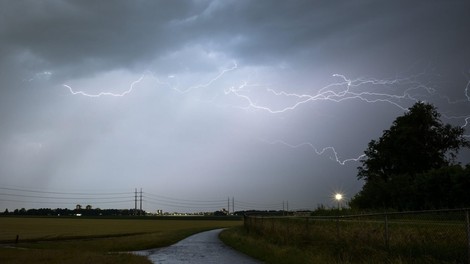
(417, 142)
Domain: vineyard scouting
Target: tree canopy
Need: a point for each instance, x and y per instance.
(416, 143)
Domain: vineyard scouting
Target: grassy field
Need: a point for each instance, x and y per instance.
(82, 240)
(298, 240)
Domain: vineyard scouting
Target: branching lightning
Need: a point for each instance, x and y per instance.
(466, 91)
(349, 89)
(399, 92)
(346, 92)
(210, 82)
(131, 87)
(335, 156)
(126, 92)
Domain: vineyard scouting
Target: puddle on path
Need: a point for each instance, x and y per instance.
(204, 247)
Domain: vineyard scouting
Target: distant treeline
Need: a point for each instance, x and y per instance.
(127, 212)
(269, 212)
(74, 212)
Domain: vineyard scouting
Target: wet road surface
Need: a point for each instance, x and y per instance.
(204, 247)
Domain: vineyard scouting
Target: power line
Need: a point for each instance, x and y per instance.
(68, 203)
(34, 196)
(64, 198)
(65, 193)
(156, 196)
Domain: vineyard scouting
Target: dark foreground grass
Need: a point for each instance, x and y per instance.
(290, 241)
(87, 242)
(268, 251)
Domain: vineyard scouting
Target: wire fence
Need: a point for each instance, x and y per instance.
(439, 235)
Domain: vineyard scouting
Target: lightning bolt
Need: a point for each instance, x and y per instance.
(39, 76)
(131, 87)
(348, 89)
(398, 92)
(466, 91)
(329, 93)
(321, 152)
(126, 92)
(210, 82)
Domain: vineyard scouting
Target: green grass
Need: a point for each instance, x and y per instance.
(294, 240)
(263, 249)
(79, 240)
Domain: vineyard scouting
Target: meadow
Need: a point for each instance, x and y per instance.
(404, 239)
(93, 240)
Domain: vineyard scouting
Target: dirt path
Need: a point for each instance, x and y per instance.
(201, 248)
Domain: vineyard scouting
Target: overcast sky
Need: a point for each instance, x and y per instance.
(197, 101)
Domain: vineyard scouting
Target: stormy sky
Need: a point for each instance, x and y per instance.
(197, 101)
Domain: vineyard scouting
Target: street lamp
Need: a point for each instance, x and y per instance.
(338, 198)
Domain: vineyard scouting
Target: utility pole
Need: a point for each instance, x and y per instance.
(228, 205)
(233, 205)
(140, 212)
(135, 207)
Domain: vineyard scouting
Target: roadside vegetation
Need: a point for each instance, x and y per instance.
(285, 240)
(73, 240)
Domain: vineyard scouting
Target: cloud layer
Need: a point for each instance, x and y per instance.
(209, 80)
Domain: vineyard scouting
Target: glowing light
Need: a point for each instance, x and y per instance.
(338, 197)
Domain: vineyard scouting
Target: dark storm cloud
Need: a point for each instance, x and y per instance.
(269, 31)
(90, 35)
(85, 36)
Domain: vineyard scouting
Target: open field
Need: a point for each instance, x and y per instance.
(82, 240)
(352, 240)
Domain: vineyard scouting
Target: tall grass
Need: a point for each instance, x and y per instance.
(353, 240)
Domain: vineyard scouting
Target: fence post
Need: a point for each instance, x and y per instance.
(387, 235)
(337, 227)
(245, 224)
(468, 234)
(272, 226)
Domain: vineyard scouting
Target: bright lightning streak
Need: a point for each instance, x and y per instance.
(347, 89)
(210, 82)
(328, 93)
(351, 89)
(131, 87)
(466, 122)
(317, 151)
(466, 91)
(405, 90)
